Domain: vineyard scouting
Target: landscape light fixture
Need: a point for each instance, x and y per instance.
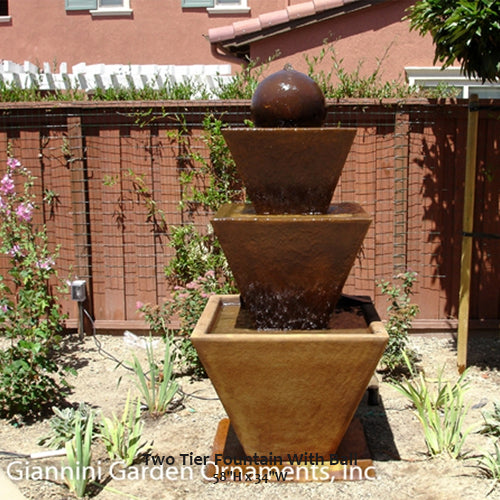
(79, 294)
(78, 290)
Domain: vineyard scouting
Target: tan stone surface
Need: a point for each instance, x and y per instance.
(287, 392)
(290, 269)
(290, 170)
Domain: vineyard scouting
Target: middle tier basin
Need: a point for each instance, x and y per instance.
(290, 269)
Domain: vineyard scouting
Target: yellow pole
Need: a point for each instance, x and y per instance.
(467, 228)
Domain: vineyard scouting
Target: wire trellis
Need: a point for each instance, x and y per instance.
(109, 173)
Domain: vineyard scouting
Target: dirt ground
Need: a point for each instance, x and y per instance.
(403, 469)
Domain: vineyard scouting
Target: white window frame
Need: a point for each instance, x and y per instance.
(430, 76)
(237, 7)
(125, 10)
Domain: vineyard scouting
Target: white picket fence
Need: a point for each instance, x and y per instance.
(89, 77)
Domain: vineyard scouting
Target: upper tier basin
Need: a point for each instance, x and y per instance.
(291, 170)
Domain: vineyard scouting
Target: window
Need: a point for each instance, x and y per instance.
(218, 6)
(101, 7)
(112, 8)
(229, 7)
(4, 8)
(81, 4)
(195, 4)
(4, 11)
(453, 77)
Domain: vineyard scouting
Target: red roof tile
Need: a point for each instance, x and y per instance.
(247, 26)
(274, 18)
(300, 10)
(321, 5)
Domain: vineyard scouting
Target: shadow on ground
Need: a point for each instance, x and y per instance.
(378, 433)
(483, 349)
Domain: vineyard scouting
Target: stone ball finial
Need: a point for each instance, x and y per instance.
(288, 98)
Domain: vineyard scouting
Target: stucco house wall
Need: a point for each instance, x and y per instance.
(157, 32)
(358, 38)
(163, 32)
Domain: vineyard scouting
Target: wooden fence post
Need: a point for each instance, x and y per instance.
(467, 228)
(79, 203)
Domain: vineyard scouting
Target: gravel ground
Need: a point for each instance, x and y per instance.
(403, 469)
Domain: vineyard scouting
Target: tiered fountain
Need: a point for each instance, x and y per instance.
(290, 357)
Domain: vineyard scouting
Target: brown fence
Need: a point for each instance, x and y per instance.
(100, 163)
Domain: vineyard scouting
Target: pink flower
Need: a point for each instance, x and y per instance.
(7, 185)
(192, 285)
(139, 305)
(24, 211)
(210, 274)
(45, 264)
(13, 164)
(4, 308)
(14, 251)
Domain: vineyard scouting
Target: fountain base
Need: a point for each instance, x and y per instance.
(351, 462)
(292, 392)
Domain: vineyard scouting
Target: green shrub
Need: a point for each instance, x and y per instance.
(195, 254)
(186, 305)
(198, 268)
(338, 83)
(243, 84)
(400, 312)
(30, 316)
